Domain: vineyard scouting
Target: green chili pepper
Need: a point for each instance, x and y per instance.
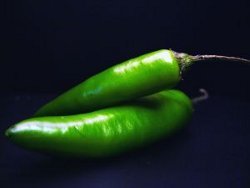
(141, 76)
(106, 132)
(138, 77)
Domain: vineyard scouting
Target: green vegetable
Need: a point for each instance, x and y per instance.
(106, 132)
(118, 119)
(138, 77)
(141, 76)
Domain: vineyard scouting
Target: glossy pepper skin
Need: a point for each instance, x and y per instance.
(138, 77)
(106, 132)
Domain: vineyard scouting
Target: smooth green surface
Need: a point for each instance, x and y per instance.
(138, 77)
(106, 132)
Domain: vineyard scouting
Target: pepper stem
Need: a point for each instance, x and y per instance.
(219, 57)
(202, 97)
(186, 60)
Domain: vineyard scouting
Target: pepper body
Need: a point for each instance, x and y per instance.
(138, 77)
(106, 132)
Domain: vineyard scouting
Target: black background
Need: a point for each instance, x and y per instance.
(50, 46)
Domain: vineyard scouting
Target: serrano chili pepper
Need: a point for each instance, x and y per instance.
(106, 132)
(134, 78)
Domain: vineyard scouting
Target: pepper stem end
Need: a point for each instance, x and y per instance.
(184, 60)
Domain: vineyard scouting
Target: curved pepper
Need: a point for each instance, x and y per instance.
(106, 132)
(138, 77)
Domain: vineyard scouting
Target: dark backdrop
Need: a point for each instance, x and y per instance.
(50, 46)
